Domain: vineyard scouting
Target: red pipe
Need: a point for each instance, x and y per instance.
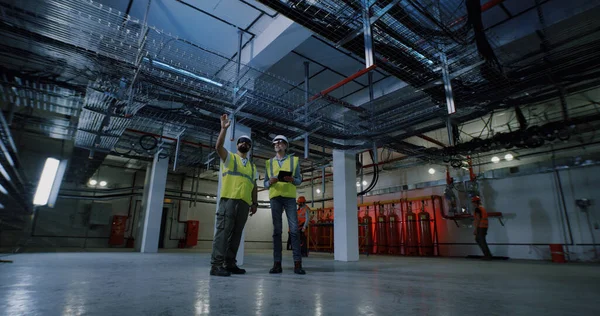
(343, 82)
(431, 140)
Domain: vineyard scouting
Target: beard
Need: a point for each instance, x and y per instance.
(243, 149)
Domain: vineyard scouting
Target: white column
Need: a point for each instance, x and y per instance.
(152, 205)
(345, 220)
(231, 146)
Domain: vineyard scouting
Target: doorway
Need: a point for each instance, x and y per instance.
(163, 227)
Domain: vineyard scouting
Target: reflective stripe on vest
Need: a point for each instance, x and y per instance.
(302, 214)
(236, 182)
(283, 189)
(483, 221)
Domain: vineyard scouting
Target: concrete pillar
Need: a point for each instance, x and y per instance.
(152, 206)
(231, 146)
(345, 218)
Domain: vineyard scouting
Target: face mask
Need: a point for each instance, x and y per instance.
(243, 148)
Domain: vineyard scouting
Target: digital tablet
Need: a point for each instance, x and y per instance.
(283, 174)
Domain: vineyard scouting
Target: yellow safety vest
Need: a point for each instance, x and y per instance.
(238, 180)
(283, 189)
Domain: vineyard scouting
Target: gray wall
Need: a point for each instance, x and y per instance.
(532, 206)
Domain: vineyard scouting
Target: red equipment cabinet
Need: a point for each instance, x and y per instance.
(382, 247)
(411, 235)
(191, 233)
(393, 233)
(367, 221)
(425, 231)
(117, 230)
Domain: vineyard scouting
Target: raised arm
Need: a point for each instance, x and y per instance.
(221, 139)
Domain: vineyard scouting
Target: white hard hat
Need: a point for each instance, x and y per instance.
(244, 137)
(280, 137)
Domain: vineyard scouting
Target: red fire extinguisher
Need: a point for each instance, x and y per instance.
(367, 222)
(411, 238)
(361, 232)
(329, 229)
(393, 233)
(381, 230)
(320, 227)
(425, 231)
(313, 231)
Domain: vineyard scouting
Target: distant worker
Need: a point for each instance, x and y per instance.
(481, 227)
(303, 215)
(283, 175)
(238, 198)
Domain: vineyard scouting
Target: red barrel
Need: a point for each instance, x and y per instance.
(558, 255)
(393, 233)
(382, 247)
(425, 233)
(410, 233)
(367, 222)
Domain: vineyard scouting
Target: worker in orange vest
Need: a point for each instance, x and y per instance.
(481, 227)
(303, 214)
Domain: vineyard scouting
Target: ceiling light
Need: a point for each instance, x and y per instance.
(318, 190)
(495, 159)
(364, 182)
(357, 184)
(93, 182)
(103, 183)
(509, 157)
(46, 182)
(431, 171)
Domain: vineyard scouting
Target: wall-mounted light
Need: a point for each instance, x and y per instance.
(102, 183)
(42, 194)
(93, 182)
(318, 191)
(364, 182)
(431, 171)
(357, 183)
(509, 157)
(495, 159)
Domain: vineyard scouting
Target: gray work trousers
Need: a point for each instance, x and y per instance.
(480, 239)
(231, 219)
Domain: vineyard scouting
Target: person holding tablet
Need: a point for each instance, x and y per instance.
(283, 175)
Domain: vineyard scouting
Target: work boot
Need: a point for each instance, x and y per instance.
(276, 267)
(219, 271)
(298, 267)
(234, 269)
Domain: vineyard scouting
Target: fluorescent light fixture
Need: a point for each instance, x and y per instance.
(93, 182)
(46, 181)
(103, 183)
(431, 171)
(62, 167)
(3, 190)
(509, 157)
(495, 159)
(1, 206)
(181, 71)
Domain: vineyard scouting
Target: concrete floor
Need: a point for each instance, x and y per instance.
(179, 284)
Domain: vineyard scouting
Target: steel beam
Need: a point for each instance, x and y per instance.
(369, 61)
(372, 20)
(447, 84)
